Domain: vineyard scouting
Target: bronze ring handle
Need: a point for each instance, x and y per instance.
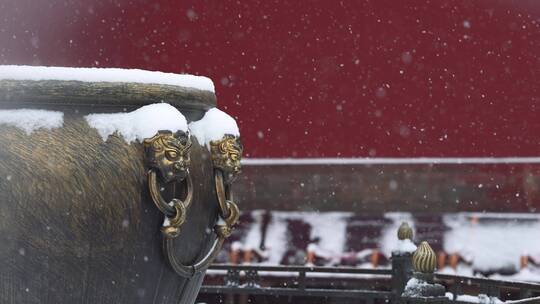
(189, 271)
(226, 155)
(221, 231)
(223, 192)
(168, 209)
(173, 228)
(176, 211)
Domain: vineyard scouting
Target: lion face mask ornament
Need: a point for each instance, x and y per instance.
(169, 154)
(226, 155)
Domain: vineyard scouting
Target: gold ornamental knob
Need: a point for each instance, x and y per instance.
(424, 259)
(405, 232)
(170, 231)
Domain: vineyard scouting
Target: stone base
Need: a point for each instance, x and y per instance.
(426, 277)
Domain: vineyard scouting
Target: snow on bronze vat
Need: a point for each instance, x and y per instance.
(121, 206)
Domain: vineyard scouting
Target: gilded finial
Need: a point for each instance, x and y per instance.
(424, 259)
(405, 232)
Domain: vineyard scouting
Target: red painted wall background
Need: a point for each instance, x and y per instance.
(319, 78)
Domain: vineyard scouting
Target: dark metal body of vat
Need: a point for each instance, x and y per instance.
(77, 223)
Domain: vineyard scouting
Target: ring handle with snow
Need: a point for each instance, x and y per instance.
(226, 154)
(168, 156)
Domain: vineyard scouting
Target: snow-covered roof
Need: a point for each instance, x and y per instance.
(494, 242)
(36, 73)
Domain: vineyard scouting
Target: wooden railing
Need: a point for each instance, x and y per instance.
(264, 280)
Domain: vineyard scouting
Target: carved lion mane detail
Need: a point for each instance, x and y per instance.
(226, 155)
(169, 154)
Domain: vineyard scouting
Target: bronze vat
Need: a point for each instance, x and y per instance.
(81, 219)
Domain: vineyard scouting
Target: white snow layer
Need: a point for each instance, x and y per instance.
(405, 246)
(529, 274)
(253, 236)
(142, 123)
(414, 287)
(328, 227)
(481, 298)
(331, 230)
(30, 120)
(276, 239)
(21, 72)
(477, 241)
(213, 126)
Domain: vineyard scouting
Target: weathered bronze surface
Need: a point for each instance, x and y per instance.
(77, 221)
(104, 94)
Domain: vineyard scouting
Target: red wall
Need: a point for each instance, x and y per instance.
(319, 78)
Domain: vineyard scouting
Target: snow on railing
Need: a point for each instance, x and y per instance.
(412, 279)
